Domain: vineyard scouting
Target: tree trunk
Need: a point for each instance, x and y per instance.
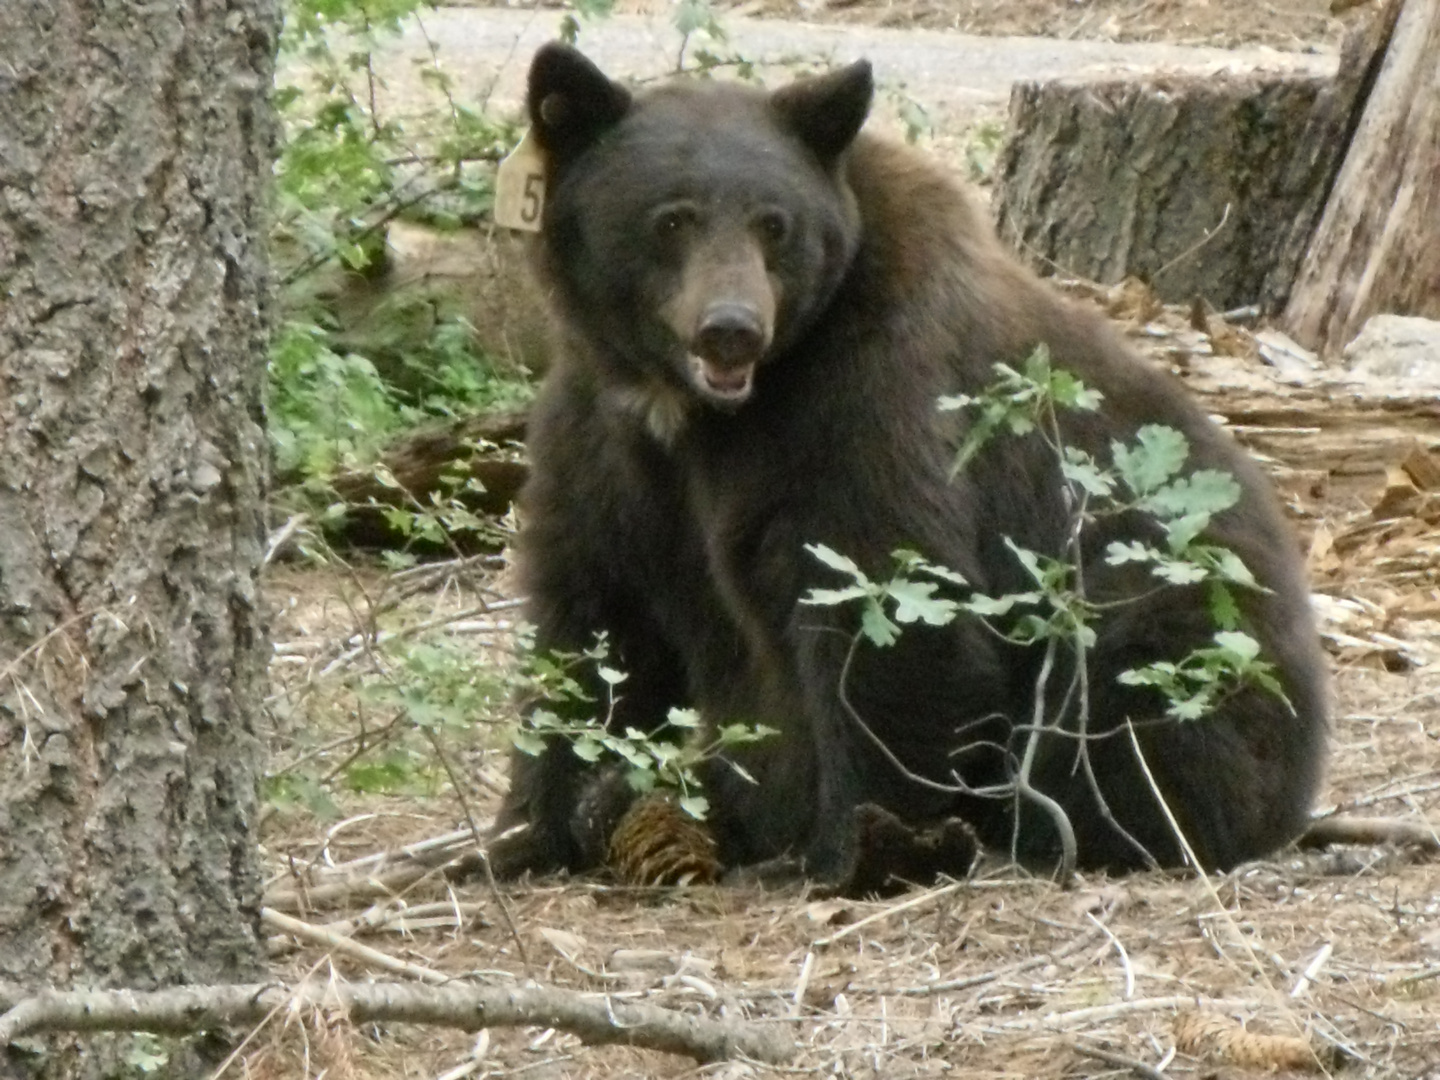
(1201, 185)
(1377, 248)
(135, 149)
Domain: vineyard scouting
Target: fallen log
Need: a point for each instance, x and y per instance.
(478, 460)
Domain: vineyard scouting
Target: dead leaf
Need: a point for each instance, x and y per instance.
(1400, 499)
(1104, 900)
(829, 913)
(570, 946)
(1422, 467)
(1321, 558)
(1132, 301)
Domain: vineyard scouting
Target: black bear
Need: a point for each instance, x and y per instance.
(758, 307)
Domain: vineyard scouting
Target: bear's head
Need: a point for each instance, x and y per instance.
(695, 231)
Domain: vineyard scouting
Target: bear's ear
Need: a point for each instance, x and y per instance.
(826, 112)
(571, 102)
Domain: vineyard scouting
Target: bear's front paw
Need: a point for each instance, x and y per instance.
(891, 855)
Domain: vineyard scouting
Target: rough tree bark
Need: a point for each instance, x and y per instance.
(1377, 248)
(1201, 185)
(135, 148)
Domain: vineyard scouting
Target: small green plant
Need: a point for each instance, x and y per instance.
(667, 757)
(348, 168)
(1146, 477)
(914, 117)
(327, 410)
(402, 688)
(982, 149)
(147, 1053)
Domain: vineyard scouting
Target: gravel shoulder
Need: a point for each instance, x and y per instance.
(954, 75)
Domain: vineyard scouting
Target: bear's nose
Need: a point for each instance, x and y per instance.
(730, 336)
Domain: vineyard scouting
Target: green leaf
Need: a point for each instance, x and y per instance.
(527, 742)
(587, 748)
(683, 718)
(944, 573)
(666, 754)
(1159, 675)
(836, 561)
(875, 626)
(1080, 468)
(398, 560)
(988, 606)
(1178, 572)
(1069, 392)
(1020, 423)
(1158, 454)
(915, 602)
(835, 596)
(1205, 491)
(955, 402)
(697, 806)
(1028, 559)
(1232, 568)
(610, 675)
(1181, 532)
(146, 1053)
(1190, 708)
(741, 734)
(1263, 676)
(641, 779)
(743, 773)
(1123, 551)
(1241, 644)
(1223, 609)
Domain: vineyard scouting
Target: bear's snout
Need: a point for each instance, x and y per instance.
(730, 341)
(731, 336)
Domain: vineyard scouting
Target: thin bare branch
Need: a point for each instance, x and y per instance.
(1120, 1061)
(1075, 945)
(596, 1019)
(336, 942)
(1344, 829)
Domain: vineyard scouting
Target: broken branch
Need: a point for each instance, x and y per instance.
(596, 1019)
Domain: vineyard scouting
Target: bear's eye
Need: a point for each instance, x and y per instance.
(773, 226)
(672, 221)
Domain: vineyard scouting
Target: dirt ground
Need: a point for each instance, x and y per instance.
(1005, 975)
(1321, 962)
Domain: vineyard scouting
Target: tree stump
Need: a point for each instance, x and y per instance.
(1377, 248)
(1201, 185)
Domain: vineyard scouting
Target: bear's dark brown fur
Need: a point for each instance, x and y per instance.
(759, 307)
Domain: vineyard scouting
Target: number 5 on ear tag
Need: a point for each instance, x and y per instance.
(520, 187)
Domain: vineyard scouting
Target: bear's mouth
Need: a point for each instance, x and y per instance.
(724, 385)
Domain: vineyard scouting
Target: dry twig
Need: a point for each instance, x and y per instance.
(921, 900)
(595, 1019)
(1120, 1061)
(339, 943)
(1343, 829)
(1043, 959)
(380, 883)
(1101, 1014)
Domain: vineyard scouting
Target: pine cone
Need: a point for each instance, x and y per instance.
(657, 843)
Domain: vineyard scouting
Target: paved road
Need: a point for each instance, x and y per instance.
(956, 74)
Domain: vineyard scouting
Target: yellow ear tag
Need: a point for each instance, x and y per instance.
(520, 187)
